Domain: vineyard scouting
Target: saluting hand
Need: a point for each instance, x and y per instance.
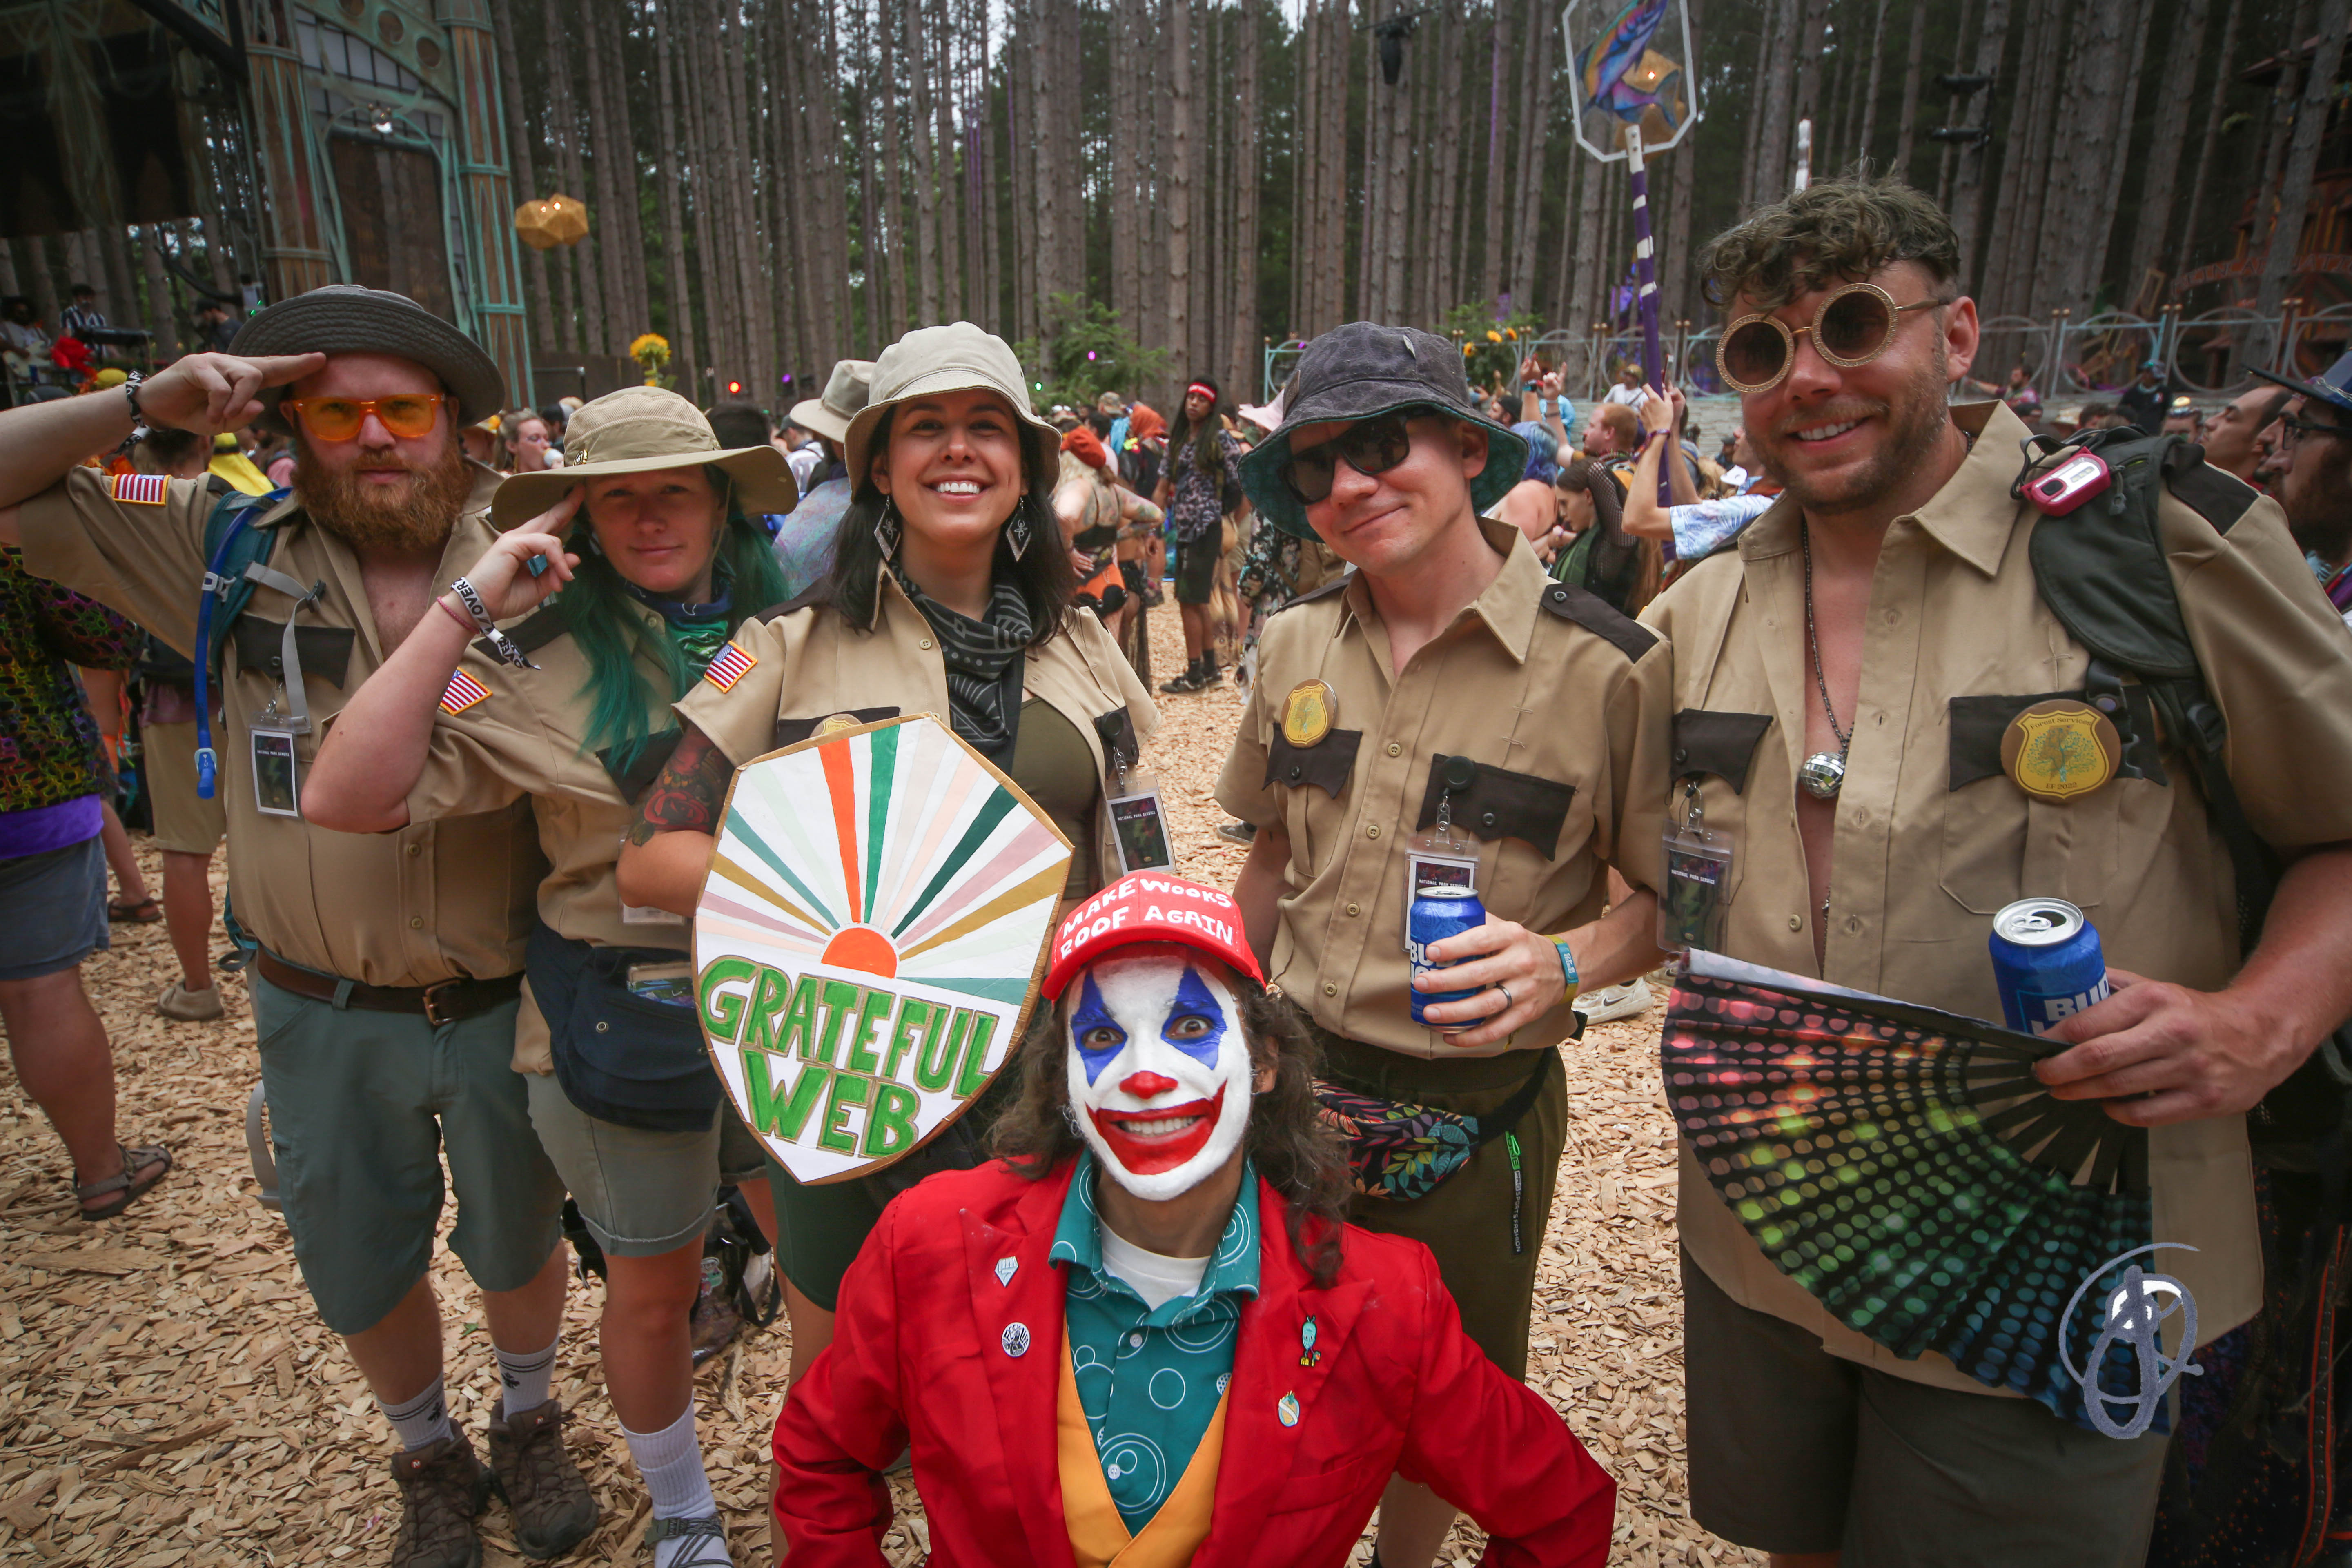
(1517, 972)
(212, 393)
(502, 576)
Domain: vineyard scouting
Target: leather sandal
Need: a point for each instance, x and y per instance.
(126, 1183)
(134, 911)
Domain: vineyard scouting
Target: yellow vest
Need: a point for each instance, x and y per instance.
(1099, 1533)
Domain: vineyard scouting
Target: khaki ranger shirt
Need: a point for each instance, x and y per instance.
(811, 665)
(1933, 837)
(435, 900)
(1561, 702)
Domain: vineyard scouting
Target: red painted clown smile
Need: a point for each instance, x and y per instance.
(1150, 1142)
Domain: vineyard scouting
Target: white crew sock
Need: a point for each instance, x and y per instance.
(422, 1420)
(671, 1462)
(524, 1380)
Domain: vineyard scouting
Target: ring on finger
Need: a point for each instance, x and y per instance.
(1507, 998)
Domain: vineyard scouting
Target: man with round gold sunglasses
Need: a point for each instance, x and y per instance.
(1848, 679)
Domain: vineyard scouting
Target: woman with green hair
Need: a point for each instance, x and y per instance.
(646, 532)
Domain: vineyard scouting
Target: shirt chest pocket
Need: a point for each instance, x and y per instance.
(1715, 752)
(1532, 822)
(2000, 844)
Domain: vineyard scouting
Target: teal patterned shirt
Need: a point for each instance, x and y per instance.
(1149, 1379)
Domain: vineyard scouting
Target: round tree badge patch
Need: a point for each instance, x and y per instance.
(2056, 750)
(1307, 712)
(868, 939)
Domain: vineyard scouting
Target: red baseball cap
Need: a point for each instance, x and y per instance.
(1150, 906)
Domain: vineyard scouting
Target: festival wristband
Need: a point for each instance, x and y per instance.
(500, 644)
(1567, 967)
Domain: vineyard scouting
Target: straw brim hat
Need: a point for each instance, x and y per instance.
(643, 429)
(958, 357)
(344, 318)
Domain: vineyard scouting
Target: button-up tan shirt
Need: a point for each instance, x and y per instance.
(1931, 839)
(433, 901)
(1560, 699)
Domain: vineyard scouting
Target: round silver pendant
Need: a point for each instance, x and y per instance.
(1822, 774)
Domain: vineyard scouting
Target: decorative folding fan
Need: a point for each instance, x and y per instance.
(868, 939)
(1905, 1166)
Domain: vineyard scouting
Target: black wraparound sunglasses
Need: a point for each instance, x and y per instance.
(1371, 447)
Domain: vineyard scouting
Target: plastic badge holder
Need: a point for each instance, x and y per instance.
(1698, 871)
(1439, 858)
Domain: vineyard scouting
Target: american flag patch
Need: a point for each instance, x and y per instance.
(731, 666)
(145, 489)
(464, 692)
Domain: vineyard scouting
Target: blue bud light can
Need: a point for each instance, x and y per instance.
(1436, 914)
(2046, 960)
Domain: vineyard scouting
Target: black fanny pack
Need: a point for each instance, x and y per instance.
(631, 1060)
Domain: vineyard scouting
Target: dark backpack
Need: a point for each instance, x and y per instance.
(2250, 1475)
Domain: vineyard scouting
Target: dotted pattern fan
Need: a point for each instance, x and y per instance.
(1904, 1167)
(894, 856)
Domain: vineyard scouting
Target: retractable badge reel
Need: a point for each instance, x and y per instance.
(277, 765)
(1698, 872)
(1139, 822)
(1441, 858)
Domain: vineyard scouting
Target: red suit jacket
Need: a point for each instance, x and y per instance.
(924, 1354)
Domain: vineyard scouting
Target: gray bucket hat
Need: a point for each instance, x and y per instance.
(845, 392)
(1362, 371)
(346, 319)
(636, 430)
(958, 357)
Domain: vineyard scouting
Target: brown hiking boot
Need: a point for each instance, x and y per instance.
(442, 1488)
(553, 1510)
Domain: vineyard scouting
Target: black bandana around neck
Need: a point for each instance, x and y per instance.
(983, 659)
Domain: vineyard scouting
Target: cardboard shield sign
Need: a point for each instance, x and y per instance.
(868, 939)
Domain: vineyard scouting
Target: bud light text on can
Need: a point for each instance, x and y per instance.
(2047, 962)
(1436, 914)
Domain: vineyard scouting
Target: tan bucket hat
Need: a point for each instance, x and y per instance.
(845, 392)
(958, 357)
(638, 430)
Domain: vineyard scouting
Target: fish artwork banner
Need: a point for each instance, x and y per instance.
(869, 939)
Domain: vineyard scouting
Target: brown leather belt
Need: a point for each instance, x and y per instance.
(446, 1002)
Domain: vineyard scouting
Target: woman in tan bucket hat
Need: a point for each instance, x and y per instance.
(951, 593)
(647, 530)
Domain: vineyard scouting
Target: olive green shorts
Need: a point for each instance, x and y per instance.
(642, 1193)
(362, 1106)
(1795, 1450)
(1485, 1227)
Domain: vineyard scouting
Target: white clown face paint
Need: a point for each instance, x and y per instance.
(1159, 1069)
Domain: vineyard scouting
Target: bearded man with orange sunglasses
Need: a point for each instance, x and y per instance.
(386, 979)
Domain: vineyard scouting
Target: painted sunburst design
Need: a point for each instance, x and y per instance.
(890, 858)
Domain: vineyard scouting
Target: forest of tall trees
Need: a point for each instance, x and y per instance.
(776, 183)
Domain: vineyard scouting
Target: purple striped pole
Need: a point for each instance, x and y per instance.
(1645, 299)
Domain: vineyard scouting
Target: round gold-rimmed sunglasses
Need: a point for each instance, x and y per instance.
(1854, 326)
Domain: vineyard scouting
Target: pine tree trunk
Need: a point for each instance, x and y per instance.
(1179, 200)
(683, 348)
(1913, 60)
(1248, 166)
(1336, 63)
(1444, 265)
(2033, 227)
(2075, 207)
(1302, 167)
(2279, 132)
(640, 293)
(894, 207)
(1203, 350)
(2214, 111)
(610, 236)
(1809, 103)
(1492, 255)
(927, 208)
(1397, 172)
(2310, 125)
(1126, 196)
(563, 134)
(1968, 184)
(2100, 235)
(519, 168)
(1756, 100)
(1533, 144)
(1776, 133)
(1598, 183)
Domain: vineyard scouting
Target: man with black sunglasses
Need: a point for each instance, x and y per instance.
(1445, 714)
(2316, 488)
(1881, 718)
(388, 975)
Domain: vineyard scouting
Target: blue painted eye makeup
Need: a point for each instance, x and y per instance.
(1195, 1025)
(1090, 1019)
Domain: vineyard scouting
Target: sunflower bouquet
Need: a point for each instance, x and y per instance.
(651, 351)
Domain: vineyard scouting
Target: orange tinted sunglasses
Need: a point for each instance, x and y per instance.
(410, 414)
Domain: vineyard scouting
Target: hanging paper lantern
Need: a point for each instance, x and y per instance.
(557, 220)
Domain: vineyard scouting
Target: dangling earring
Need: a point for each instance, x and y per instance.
(1016, 532)
(886, 530)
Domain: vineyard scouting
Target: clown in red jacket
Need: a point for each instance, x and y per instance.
(1145, 1335)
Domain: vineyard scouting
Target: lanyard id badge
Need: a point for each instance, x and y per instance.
(277, 784)
(1698, 874)
(1439, 857)
(1138, 821)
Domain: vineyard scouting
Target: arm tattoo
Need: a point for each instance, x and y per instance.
(687, 793)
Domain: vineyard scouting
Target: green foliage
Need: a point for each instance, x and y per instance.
(1086, 351)
(1489, 361)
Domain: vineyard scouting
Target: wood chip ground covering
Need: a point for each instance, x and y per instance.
(167, 1399)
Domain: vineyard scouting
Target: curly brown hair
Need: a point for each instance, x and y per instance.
(1294, 1152)
(1842, 230)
